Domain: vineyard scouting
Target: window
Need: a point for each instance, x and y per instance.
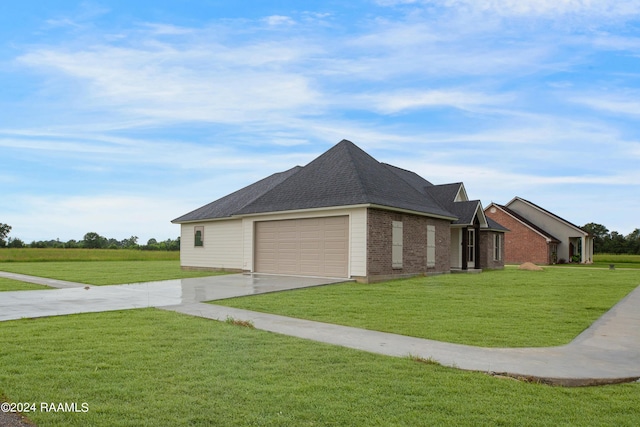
(471, 245)
(198, 236)
(497, 247)
(431, 246)
(396, 242)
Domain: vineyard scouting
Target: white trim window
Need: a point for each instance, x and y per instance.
(497, 247)
(198, 236)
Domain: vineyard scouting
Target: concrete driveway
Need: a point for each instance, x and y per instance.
(80, 298)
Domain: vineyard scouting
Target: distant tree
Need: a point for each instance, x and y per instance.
(93, 240)
(152, 241)
(4, 231)
(130, 243)
(15, 243)
(599, 232)
(633, 242)
(615, 244)
(72, 244)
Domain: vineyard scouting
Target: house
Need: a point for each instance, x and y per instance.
(539, 236)
(342, 215)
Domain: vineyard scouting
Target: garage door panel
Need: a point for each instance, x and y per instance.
(310, 246)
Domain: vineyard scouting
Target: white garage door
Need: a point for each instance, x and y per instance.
(308, 247)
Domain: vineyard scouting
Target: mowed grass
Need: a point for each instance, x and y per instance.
(152, 367)
(92, 266)
(14, 285)
(508, 308)
(618, 260)
(55, 254)
(104, 272)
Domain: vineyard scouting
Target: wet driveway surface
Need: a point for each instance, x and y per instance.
(87, 298)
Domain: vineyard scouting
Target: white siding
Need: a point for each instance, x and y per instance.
(222, 248)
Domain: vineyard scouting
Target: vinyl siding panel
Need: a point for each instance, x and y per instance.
(222, 247)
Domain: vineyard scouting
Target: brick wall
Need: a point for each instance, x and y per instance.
(487, 255)
(414, 262)
(521, 244)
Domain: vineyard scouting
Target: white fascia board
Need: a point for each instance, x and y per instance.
(409, 211)
(483, 219)
(193, 221)
(324, 209)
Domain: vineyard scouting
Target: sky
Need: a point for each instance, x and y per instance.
(118, 116)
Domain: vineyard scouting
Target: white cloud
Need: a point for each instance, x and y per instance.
(277, 20)
(620, 104)
(409, 100)
(166, 84)
(596, 8)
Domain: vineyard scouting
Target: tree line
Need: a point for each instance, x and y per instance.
(612, 242)
(91, 240)
(604, 241)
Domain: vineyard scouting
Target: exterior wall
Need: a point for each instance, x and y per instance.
(357, 235)
(414, 245)
(487, 250)
(521, 244)
(222, 248)
(551, 225)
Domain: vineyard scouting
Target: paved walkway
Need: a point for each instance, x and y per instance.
(607, 352)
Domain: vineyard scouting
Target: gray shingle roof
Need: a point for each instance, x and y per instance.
(343, 176)
(446, 195)
(230, 204)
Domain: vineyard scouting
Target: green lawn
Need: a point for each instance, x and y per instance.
(156, 368)
(14, 285)
(104, 272)
(56, 254)
(508, 308)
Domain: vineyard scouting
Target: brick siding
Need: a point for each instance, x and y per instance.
(487, 256)
(414, 259)
(521, 244)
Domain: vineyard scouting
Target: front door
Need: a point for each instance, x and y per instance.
(471, 248)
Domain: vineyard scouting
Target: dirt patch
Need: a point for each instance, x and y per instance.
(530, 267)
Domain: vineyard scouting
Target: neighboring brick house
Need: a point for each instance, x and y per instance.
(343, 215)
(539, 236)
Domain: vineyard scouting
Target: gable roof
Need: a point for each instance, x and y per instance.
(345, 175)
(465, 210)
(551, 214)
(526, 222)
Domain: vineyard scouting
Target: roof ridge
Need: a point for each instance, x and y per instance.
(350, 146)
